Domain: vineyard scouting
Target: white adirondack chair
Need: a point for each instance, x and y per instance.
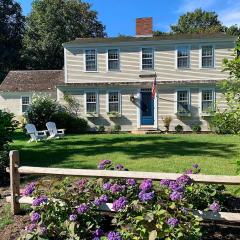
(53, 131)
(34, 134)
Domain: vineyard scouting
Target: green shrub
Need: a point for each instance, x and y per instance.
(101, 129)
(71, 123)
(179, 128)
(227, 122)
(7, 128)
(41, 111)
(143, 210)
(116, 128)
(196, 128)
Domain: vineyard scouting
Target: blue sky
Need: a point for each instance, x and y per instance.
(119, 15)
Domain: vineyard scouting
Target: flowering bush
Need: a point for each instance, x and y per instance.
(143, 209)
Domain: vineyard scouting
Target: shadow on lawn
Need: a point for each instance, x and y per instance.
(61, 152)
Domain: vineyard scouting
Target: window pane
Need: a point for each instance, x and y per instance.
(113, 99)
(91, 107)
(182, 101)
(183, 63)
(207, 62)
(91, 60)
(25, 108)
(113, 59)
(183, 57)
(91, 97)
(207, 95)
(25, 100)
(113, 107)
(147, 58)
(207, 106)
(207, 56)
(207, 51)
(183, 52)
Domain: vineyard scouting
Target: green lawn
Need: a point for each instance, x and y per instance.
(164, 153)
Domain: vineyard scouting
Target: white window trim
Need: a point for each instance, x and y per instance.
(153, 53)
(85, 101)
(200, 56)
(30, 100)
(200, 97)
(176, 99)
(65, 66)
(189, 57)
(119, 59)
(119, 99)
(84, 60)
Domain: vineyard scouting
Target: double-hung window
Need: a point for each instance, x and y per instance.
(91, 102)
(183, 101)
(114, 102)
(208, 101)
(25, 103)
(207, 57)
(147, 59)
(91, 60)
(113, 60)
(183, 57)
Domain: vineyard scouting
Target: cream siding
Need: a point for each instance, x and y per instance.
(165, 63)
(11, 101)
(130, 117)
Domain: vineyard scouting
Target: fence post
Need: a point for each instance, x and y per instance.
(14, 181)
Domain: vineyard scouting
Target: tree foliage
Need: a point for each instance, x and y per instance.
(228, 121)
(11, 34)
(197, 22)
(53, 22)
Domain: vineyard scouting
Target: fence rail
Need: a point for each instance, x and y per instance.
(15, 170)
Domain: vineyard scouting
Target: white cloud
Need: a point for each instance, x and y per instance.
(230, 15)
(191, 5)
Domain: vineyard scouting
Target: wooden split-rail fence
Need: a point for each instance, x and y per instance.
(16, 199)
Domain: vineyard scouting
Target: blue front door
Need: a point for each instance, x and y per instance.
(147, 108)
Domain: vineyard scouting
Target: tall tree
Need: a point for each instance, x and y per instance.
(11, 34)
(53, 22)
(197, 22)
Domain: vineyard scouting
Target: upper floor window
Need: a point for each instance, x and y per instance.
(207, 57)
(208, 102)
(147, 59)
(91, 60)
(183, 101)
(183, 56)
(25, 103)
(113, 60)
(91, 102)
(113, 102)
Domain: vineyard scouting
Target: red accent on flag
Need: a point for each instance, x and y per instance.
(154, 88)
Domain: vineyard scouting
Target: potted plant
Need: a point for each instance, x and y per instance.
(113, 114)
(92, 114)
(167, 121)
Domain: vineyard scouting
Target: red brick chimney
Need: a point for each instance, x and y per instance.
(144, 27)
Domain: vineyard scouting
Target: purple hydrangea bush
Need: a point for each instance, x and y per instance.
(70, 210)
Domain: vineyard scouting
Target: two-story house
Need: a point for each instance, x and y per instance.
(113, 77)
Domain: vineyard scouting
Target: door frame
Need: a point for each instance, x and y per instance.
(155, 110)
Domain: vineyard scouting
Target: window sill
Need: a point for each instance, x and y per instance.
(206, 114)
(207, 68)
(183, 69)
(114, 115)
(92, 115)
(113, 71)
(91, 71)
(184, 114)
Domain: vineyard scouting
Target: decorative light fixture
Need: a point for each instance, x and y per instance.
(132, 98)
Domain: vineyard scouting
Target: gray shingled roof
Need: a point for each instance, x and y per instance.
(154, 38)
(32, 81)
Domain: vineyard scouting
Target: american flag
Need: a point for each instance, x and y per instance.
(154, 87)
